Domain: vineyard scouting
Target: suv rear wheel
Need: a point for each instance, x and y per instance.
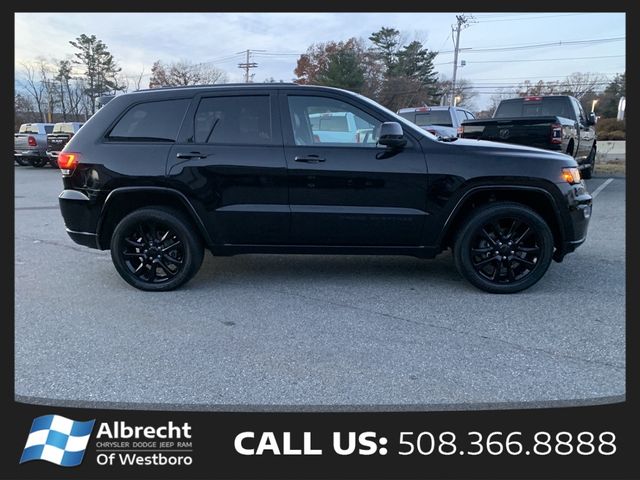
(503, 247)
(156, 249)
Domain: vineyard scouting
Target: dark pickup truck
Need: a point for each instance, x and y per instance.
(555, 122)
(62, 133)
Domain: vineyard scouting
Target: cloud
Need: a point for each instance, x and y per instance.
(138, 39)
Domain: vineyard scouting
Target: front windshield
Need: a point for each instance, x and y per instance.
(403, 121)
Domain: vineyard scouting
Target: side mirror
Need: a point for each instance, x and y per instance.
(592, 119)
(391, 135)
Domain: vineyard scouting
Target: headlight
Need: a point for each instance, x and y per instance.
(571, 175)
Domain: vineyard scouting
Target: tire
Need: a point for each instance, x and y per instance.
(142, 254)
(39, 162)
(53, 162)
(519, 264)
(22, 162)
(587, 173)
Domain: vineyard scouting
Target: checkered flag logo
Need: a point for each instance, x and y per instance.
(57, 440)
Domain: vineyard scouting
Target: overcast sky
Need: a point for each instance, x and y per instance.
(138, 39)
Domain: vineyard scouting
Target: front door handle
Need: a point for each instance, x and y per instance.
(310, 159)
(186, 156)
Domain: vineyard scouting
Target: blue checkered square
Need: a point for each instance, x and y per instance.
(58, 440)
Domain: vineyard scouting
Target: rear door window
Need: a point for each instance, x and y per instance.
(238, 120)
(151, 121)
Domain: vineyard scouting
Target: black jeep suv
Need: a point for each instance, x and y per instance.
(158, 175)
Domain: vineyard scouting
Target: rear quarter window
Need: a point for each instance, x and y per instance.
(151, 121)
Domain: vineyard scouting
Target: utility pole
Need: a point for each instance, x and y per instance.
(463, 21)
(248, 65)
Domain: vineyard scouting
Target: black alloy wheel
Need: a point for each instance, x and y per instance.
(504, 248)
(153, 252)
(156, 249)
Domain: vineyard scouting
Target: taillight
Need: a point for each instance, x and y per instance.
(556, 133)
(67, 162)
(32, 141)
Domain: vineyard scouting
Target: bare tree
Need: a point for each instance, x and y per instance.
(183, 73)
(34, 87)
(580, 84)
(539, 88)
(138, 80)
(51, 90)
(464, 93)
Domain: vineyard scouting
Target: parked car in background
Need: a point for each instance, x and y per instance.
(554, 122)
(339, 127)
(159, 175)
(441, 121)
(58, 138)
(30, 144)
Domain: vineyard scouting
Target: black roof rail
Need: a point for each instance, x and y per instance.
(261, 84)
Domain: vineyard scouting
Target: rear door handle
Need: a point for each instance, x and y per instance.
(189, 155)
(310, 159)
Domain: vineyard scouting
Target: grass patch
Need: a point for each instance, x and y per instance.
(611, 167)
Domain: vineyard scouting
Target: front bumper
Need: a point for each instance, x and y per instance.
(576, 217)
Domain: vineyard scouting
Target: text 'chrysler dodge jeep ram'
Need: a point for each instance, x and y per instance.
(157, 176)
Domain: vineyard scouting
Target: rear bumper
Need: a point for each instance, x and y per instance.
(80, 216)
(28, 153)
(84, 238)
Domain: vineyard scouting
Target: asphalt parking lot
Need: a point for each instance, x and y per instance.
(314, 332)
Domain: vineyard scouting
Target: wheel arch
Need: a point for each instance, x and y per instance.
(536, 198)
(124, 200)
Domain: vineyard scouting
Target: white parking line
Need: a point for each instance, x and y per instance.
(601, 187)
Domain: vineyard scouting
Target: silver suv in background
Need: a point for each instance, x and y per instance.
(441, 121)
(30, 144)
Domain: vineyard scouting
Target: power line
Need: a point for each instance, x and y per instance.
(264, 53)
(534, 18)
(545, 76)
(534, 59)
(538, 45)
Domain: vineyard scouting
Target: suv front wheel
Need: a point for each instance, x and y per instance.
(156, 249)
(503, 247)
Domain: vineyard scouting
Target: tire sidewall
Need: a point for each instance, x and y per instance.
(591, 161)
(462, 246)
(193, 250)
